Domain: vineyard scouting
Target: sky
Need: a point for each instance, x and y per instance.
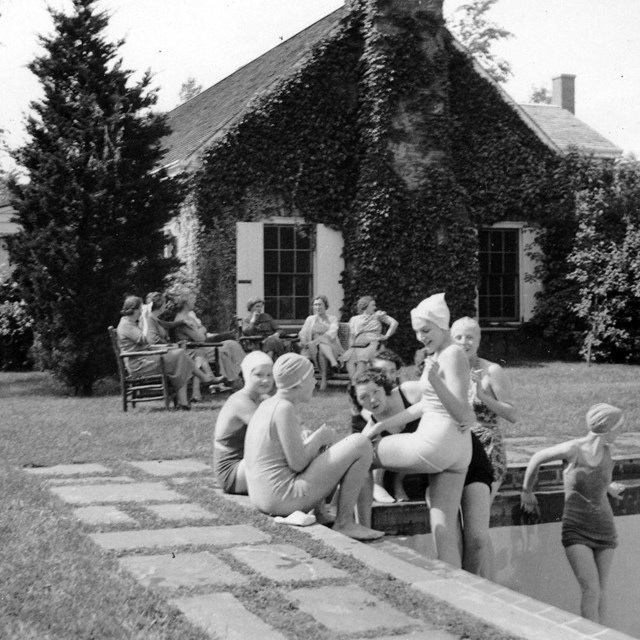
(596, 40)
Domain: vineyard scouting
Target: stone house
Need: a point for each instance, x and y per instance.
(287, 258)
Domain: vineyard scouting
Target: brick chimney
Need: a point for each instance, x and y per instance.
(564, 92)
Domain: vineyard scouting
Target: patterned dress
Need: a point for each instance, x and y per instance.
(488, 432)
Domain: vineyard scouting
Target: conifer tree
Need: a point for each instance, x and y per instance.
(93, 209)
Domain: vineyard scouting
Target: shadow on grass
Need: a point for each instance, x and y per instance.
(42, 383)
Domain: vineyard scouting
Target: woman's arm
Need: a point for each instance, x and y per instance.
(450, 378)
(394, 423)
(298, 452)
(332, 331)
(305, 332)
(392, 325)
(562, 451)
(502, 401)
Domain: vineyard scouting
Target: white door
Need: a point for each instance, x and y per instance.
(249, 264)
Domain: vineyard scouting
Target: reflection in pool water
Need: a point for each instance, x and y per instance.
(531, 560)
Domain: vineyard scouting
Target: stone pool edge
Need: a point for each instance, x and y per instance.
(499, 606)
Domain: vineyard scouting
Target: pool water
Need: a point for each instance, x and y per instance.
(531, 560)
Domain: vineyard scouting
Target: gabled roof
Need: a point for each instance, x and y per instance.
(208, 116)
(199, 121)
(567, 131)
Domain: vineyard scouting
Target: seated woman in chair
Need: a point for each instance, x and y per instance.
(229, 354)
(156, 331)
(179, 367)
(319, 339)
(261, 324)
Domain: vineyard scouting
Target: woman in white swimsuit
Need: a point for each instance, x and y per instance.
(441, 445)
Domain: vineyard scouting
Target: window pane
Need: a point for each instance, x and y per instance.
(271, 261)
(270, 287)
(303, 239)
(270, 237)
(286, 308)
(303, 262)
(286, 237)
(286, 262)
(302, 285)
(286, 285)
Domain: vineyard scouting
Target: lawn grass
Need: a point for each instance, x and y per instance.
(57, 584)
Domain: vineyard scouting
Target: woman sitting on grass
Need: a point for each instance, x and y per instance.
(286, 472)
(588, 528)
(231, 425)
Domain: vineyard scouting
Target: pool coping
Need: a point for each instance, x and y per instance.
(498, 606)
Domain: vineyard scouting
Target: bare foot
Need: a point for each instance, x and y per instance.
(380, 494)
(359, 532)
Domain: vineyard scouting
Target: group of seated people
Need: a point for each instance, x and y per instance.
(413, 427)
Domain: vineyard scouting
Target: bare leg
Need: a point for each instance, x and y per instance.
(346, 463)
(327, 352)
(181, 396)
(322, 365)
(398, 487)
(380, 494)
(582, 561)
(240, 484)
(476, 507)
(364, 502)
(195, 389)
(445, 493)
(604, 558)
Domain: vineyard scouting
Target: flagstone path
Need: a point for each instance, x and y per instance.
(200, 581)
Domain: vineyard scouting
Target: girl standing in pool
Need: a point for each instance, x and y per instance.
(588, 528)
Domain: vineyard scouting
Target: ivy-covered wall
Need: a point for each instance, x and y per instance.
(389, 135)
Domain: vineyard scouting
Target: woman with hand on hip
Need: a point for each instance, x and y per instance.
(441, 445)
(491, 398)
(588, 528)
(365, 334)
(288, 472)
(319, 339)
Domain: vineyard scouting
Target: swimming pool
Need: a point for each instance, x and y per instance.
(530, 559)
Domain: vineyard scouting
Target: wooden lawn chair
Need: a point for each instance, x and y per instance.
(147, 388)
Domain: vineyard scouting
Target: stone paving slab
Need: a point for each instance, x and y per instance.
(180, 536)
(68, 470)
(181, 512)
(224, 615)
(134, 492)
(285, 563)
(90, 480)
(350, 609)
(102, 515)
(175, 570)
(166, 468)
